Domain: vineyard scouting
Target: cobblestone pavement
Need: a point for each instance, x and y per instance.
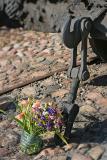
(27, 55)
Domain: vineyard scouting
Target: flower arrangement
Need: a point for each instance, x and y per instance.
(37, 118)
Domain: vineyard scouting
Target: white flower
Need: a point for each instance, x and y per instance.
(45, 113)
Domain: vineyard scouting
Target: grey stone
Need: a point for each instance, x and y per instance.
(20, 54)
(49, 62)
(6, 102)
(4, 125)
(4, 152)
(7, 48)
(16, 45)
(62, 157)
(96, 152)
(40, 59)
(78, 156)
(28, 91)
(51, 89)
(10, 140)
(83, 148)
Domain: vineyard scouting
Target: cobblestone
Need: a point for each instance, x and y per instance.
(78, 156)
(23, 58)
(96, 152)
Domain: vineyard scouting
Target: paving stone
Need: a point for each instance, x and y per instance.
(21, 156)
(93, 95)
(51, 89)
(6, 102)
(62, 157)
(83, 145)
(40, 59)
(87, 109)
(102, 101)
(78, 156)
(1, 84)
(49, 62)
(9, 140)
(2, 54)
(60, 93)
(4, 124)
(20, 54)
(103, 111)
(48, 82)
(49, 152)
(97, 97)
(23, 50)
(26, 44)
(58, 157)
(28, 91)
(96, 152)
(83, 148)
(16, 45)
(4, 62)
(104, 156)
(54, 158)
(103, 68)
(41, 73)
(6, 48)
(88, 102)
(4, 152)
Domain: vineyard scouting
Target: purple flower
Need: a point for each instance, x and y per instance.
(43, 117)
(60, 124)
(51, 111)
(49, 125)
(40, 124)
(35, 119)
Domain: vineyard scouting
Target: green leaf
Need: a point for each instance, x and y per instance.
(22, 125)
(62, 137)
(1, 111)
(19, 122)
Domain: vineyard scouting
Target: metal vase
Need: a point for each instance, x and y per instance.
(30, 143)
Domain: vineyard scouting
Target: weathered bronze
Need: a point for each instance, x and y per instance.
(76, 30)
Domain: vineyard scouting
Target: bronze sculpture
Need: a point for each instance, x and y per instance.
(76, 30)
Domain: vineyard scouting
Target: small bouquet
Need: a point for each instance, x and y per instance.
(37, 118)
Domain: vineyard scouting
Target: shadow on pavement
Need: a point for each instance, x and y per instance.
(94, 132)
(99, 81)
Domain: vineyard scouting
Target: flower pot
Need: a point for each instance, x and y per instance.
(30, 144)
